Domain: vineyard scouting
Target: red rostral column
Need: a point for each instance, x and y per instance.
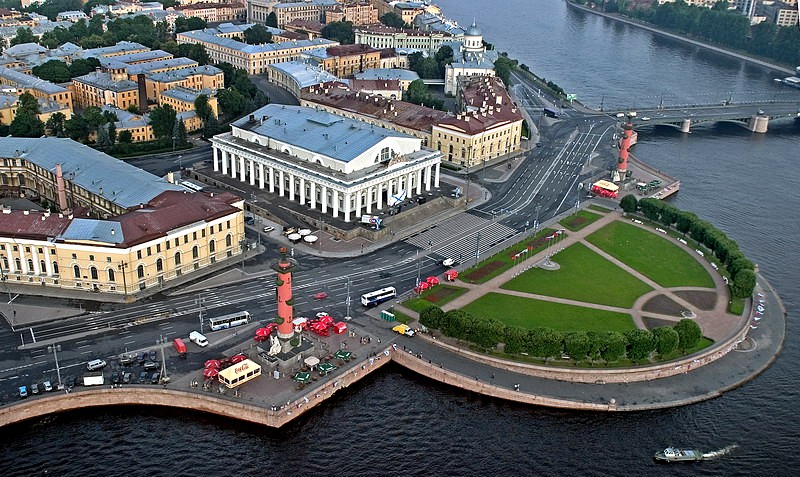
(284, 266)
(624, 145)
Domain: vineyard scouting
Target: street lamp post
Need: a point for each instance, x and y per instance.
(200, 302)
(477, 248)
(121, 267)
(243, 245)
(161, 340)
(55, 348)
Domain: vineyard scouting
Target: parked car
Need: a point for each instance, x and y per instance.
(95, 364)
(70, 381)
(155, 377)
(127, 359)
(47, 386)
(152, 355)
(150, 365)
(35, 388)
(143, 377)
(268, 229)
(126, 378)
(249, 220)
(23, 392)
(142, 357)
(115, 379)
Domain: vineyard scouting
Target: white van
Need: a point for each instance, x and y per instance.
(198, 339)
(96, 364)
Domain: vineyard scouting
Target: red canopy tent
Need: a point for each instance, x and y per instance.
(212, 363)
(432, 281)
(339, 327)
(210, 372)
(238, 358)
(451, 275)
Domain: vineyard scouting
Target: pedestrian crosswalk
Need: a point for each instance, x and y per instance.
(482, 234)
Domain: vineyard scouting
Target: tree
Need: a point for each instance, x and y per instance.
(81, 66)
(272, 20)
(133, 109)
(339, 31)
(202, 108)
(211, 127)
(125, 137)
(103, 139)
(665, 340)
(544, 343)
(740, 264)
(231, 101)
(392, 19)
(689, 333)
(444, 55)
(24, 35)
(418, 93)
(27, 123)
(503, 67)
(257, 35)
(431, 317)
(179, 133)
(94, 117)
(614, 344)
(77, 128)
(629, 204)
(183, 24)
(54, 71)
(640, 344)
(743, 283)
(162, 119)
(576, 345)
(55, 125)
(516, 339)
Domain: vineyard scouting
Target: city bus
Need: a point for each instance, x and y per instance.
(550, 113)
(229, 321)
(378, 296)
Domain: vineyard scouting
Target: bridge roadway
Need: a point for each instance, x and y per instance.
(754, 116)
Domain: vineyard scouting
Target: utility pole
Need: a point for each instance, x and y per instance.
(55, 348)
(243, 245)
(122, 266)
(477, 248)
(161, 340)
(200, 302)
(347, 316)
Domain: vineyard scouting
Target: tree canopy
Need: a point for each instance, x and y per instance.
(162, 119)
(27, 123)
(418, 93)
(391, 19)
(24, 35)
(183, 24)
(339, 31)
(257, 35)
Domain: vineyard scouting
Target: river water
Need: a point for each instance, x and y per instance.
(398, 423)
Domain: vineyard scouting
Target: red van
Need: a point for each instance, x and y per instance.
(180, 346)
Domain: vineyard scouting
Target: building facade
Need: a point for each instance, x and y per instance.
(99, 89)
(346, 60)
(327, 162)
(357, 13)
(382, 36)
(39, 88)
(310, 10)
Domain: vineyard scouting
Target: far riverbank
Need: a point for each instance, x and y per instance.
(675, 36)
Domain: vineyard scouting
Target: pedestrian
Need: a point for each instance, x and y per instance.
(492, 375)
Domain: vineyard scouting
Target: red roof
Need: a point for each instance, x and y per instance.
(32, 225)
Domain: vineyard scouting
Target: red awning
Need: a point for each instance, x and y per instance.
(432, 281)
(238, 358)
(210, 372)
(212, 363)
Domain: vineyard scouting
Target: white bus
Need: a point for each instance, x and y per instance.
(378, 296)
(229, 321)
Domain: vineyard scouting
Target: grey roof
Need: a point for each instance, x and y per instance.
(185, 94)
(473, 30)
(29, 81)
(154, 65)
(115, 180)
(330, 3)
(317, 53)
(120, 47)
(24, 49)
(303, 73)
(318, 131)
(205, 36)
(95, 230)
(174, 75)
(8, 100)
(387, 74)
(105, 81)
(152, 55)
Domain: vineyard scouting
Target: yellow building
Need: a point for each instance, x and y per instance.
(346, 60)
(252, 58)
(182, 99)
(196, 78)
(100, 89)
(164, 233)
(10, 102)
(358, 13)
(39, 88)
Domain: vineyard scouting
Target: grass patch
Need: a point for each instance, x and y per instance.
(530, 313)
(600, 209)
(583, 276)
(736, 306)
(502, 261)
(655, 257)
(438, 295)
(702, 344)
(579, 220)
(400, 316)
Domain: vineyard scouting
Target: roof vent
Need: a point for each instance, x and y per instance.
(26, 212)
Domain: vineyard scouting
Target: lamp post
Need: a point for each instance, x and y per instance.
(243, 245)
(160, 341)
(55, 348)
(200, 301)
(477, 248)
(121, 267)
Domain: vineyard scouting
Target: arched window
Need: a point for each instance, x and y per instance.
(177, 259)
(212, 246)
(159, 265)
(55, 268)
(5, 261)
(21, 180)
(140, 271)
(76, 270)
(111, 275)
(42, 266)
(228, 241)
(30, 265)
(93, 273)
(195, 252)
(4, 179)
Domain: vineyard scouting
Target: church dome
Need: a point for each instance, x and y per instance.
(473, 30)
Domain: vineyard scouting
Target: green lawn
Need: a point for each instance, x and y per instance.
(583, 276)
(529, 313)
(600, 209)
(438, 295)
(652, 255)
(579, 220)
(494, 265)
(736, 306)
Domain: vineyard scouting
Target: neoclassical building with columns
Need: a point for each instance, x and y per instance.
(337, 165)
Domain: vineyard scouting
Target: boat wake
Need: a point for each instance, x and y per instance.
(719, 453)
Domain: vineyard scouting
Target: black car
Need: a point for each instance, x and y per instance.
(155, 377)
(143, 377)
(151, 365)
(142, 357)
(70, 381)
(115, 378)
(152, 355)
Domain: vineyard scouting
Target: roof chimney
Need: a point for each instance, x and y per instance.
(62, 193)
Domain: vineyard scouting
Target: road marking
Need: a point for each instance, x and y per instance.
(84, 346)
(167, 327)
(86, 352)
(129, 342)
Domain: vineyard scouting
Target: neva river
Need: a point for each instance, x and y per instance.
(396, 423)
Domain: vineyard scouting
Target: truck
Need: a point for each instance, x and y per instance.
(180, 347)
(93, 379)
(403, 330)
